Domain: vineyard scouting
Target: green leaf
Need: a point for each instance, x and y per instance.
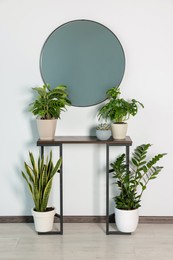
(29, 184)
(118, 109)
(134, 162)
(155, 159)
(39, 178)
(46, 195)
(50, 102)
(133, 183)
(40, 91)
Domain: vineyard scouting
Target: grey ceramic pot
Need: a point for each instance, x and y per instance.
(103, 134)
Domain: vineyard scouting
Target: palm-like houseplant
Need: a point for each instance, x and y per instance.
(118, 110)
(39, 176)
(47, 107)
(133, 181)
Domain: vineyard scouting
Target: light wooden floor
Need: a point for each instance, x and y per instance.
(86, 242)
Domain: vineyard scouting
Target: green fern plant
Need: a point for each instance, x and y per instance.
(132, 182)
(39, 176)
(50, 102)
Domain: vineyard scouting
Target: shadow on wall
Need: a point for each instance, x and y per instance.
(28, 145)
(99, 181)
(96, 179)
(92, 131)
(31, 121)
(21, 191)
(34, 132)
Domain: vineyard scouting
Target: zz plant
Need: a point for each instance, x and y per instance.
(39, 176)
(132, 182)
(118, 109)
(50, 102)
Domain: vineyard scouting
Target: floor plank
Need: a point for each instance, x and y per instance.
(83, 241)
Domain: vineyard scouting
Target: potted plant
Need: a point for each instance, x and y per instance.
(39, 176)
(118, 110)
(48, 106)
(103, 131)
(131, 183)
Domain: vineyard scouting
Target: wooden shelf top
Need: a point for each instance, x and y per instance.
(83, 140)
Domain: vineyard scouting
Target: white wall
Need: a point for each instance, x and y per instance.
(145, 31)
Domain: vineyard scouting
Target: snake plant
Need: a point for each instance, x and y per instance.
(39, 176)
(132, 182)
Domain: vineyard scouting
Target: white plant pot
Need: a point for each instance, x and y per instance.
(126, 220)
(119, 131)
(43, 221)
(46, 128)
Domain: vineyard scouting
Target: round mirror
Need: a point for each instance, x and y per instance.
(86, 57)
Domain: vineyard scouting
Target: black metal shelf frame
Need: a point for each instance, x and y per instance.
(127, 147)
(59, 216)
(59, 141)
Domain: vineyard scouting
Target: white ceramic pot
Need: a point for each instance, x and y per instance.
(43, 221)
(126, 220)
(119, 131)
(46, 128)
